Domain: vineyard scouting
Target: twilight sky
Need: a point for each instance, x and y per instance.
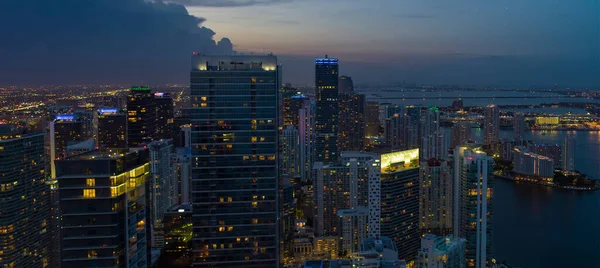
(465, 42)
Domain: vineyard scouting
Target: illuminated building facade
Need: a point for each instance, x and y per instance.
(290, 152)
(529, 163)
(289, 106)
(353, 228)
(442, 252)
(326, 83)
(177, 251)
(552, 150)
(351, 122)
(519, 126)
(141, 116)
(160, 188)
(235, 120)
(291, 113)
(473, 191)
(435, 196)
(306, 131)
(551, 120)
(491, 124)
(461, 134)
(112, 128)
(164, 115)
(25, 225)
(400, 201)
(103, 209)
(65, 129)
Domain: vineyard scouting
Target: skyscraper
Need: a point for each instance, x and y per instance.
(287, 109)
(568, 160)
(461, 134)
(435, 197)
(400, 201)
(291, 113)
(103, 209)
(346, 85)
(306, 130)
(552, 150)
(160, 188)
(141, 116)
(491, 124)
(351, 122)
(433, 141)
(290, 152)
(518, 126)
(64, 129)
(397, 132)
(183, 168)
(112, 128)
(326, 83)
(164, 115)
(474, 181)
(372, 119)
(25, 224)
(235, 119)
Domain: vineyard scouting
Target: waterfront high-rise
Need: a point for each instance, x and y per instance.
(351, 122)
(552, 150)
(435, 197)
(528, 163)
(326, 83)
(473, 184)
(568, 159)
(491, 124)
(518, 126)
(160, 188)
(141, 116)
(103, 208)
(112, 128)
(400, 201)
(65, 129)
(290, 152)
(442, 252)
(164, 115)
(25, 224)
(235, 120)
(461, 134)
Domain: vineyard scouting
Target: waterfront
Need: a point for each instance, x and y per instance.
(536, 226)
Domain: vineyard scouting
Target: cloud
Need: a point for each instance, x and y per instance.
(77, 41)
(227, 3)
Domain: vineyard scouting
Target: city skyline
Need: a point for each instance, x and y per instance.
(509, 43)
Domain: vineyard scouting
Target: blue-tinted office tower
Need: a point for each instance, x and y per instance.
(326, 89)
(234, 129)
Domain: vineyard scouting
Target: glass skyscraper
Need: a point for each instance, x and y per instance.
(326, 83)
(234, 117)
(141, 116)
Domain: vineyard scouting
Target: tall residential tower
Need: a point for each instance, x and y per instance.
(326, 83)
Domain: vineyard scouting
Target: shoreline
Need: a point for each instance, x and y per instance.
(574, 188)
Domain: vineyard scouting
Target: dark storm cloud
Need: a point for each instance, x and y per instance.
(131, 41)
(227, 3)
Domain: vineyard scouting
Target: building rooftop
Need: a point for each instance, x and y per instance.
(202, 62)
(102, 154)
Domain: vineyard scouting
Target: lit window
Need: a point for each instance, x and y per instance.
(203, 104)
(90, 182)
(89, 193)
(221, 199)
(92, 254)
(229, 146)
(254, 204)
(262, 157)
(203, 98)
(262, 138)
(254, 221)
(230, 199)
(254, 139)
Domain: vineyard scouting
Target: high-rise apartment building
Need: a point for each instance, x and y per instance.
(372, 119)
(141, 116)
(112, 128)
(306, 130)
(352, 228)
(235, 120)
(400, 201)
(568, 159)
(25, 224)
(519, 126)
(182, 161)
(160, 188)
(461, 134)
(291, 113)
(290, 152)
(351, 122)
(103, 209)
(433, 141)
(491, 124)
(474, 181)
(164, 115)
(65, 129)
(435, 197)
(287, 109)
(529, 163)
(442, 252)
(326, 123)
(552, 150)
(346, 85)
